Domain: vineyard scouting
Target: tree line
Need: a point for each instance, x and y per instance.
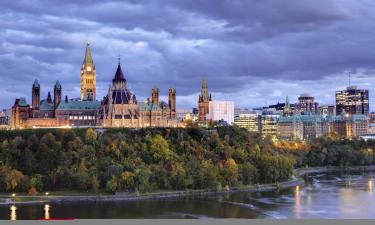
(138, 160)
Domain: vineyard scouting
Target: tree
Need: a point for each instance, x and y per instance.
(128, 180)
(112, 185)
(90, 136)
(142, 179)
(36, 182)
(249, 173)
(94, 183)
(13, 179)
(230, 172)
(178, 175)
(159, 149)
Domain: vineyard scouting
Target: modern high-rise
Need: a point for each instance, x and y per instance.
(306, 105)
(221, 111)
(88, 77)
(352, 101)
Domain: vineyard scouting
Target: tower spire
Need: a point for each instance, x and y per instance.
(88, 58)
(204, 90)
(88, 77)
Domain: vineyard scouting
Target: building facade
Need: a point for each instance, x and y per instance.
(120, 107)
(249, 121)
(221, 111)
(307, 127)
(306, 105)
(88, 77)
(352, 101)
(327, 110)
(203, 102)
(268, 124)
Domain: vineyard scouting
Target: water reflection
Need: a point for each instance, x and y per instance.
(328, 195)
(13, 214)
(370, 186)
(46, 212)
(297, 197)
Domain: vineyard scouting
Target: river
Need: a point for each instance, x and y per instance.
(325, 195)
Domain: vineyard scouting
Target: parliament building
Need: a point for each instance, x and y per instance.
(119, 108)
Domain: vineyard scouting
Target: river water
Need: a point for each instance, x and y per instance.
(325, 195)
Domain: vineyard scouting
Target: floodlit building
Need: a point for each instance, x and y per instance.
(249, 121)
(119, 108)
(352, 101)
(306, 105)
(300, 127)
(307, 127)
(182, 113)
(5, 118)
(348, 126)
(203, 101)
(221, 110)
(327, 110)
(268, 124)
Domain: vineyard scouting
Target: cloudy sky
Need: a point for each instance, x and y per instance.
(252, 52)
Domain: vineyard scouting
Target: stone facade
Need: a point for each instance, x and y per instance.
(203, 102)
(120, 107)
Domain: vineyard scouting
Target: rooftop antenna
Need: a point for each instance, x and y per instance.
(119, 59)
(349, 77)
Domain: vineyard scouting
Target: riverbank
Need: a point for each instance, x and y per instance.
(305, 171)
(122, 196)
(119, 196)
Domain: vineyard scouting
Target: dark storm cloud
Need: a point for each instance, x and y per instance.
(250, 51)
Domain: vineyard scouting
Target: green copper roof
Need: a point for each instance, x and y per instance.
(143, 106)
(44, 105)
(302, 118)
(88, 58)
(79, 105)
(22, 102)
(320, 118)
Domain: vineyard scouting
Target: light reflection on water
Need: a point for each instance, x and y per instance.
(13, 214)
(331, 195)
(46, 212)
(297, 196)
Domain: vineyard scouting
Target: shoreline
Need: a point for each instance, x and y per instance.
(127, 197)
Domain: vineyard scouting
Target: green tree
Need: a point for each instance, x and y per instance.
(13, 179)
(113, 185)
(37, 182)
(230, 172)
(128, 180)
(249, 173)
(90, 136)
(159, 149)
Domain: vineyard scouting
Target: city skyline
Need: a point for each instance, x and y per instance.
(255, 58)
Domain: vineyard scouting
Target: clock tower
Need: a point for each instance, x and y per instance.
(88, 77)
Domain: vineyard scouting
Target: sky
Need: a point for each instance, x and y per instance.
(252, 52)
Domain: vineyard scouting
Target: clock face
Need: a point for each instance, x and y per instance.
(88, 68)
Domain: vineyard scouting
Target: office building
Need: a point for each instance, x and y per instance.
(352, 101)
(221, 110)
